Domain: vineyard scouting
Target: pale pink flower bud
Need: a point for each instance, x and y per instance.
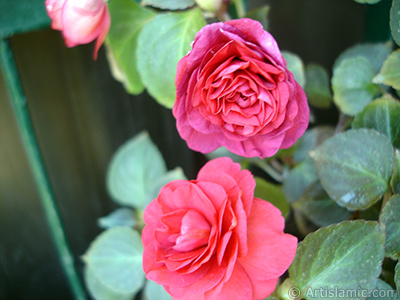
(81, 21)
(210, 5)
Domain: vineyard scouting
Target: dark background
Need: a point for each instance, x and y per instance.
(81, 115)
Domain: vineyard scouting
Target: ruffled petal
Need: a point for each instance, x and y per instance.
(270, 251)
(255, 33)
(300, 122)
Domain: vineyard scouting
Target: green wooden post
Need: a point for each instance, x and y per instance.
(20, 106)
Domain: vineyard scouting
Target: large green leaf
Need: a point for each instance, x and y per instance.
(351, 84)
(390, 72)
(316, 205)
(355, 167)
(395, 21)
(298, 179)
(99, 291)
(311, 139)
(383, 291)
(119, 217)
(133, 170)
(395, 181)
(317, 86)
(169, 4)
(271, 193)
(154, 291)
(383, 115)
(115, 258)
(295, 65)
(347, 256)
(127, 21)
(162, 43)
(390, 217)
(374, 53)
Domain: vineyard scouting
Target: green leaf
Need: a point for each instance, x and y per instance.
(271, 193)
(390, 217)
(169, 4)
(395, 21)
(395, 181)
(397, 276)
(133, 170)
(317, 86)
(99, 291)
(311, 139)
(175, 174)
(355, 167)
(383, 291)
(22, 16)
(154, 291)
(383, 115)
(374, 53)
(298, 179)
(368, 1)
(127, 21)
(316, 205)
(115, 258)
(390, 72)
(162, 43)
(119, 217)
(346, 256)
(351, 84)
(259, 14)
(295, 65)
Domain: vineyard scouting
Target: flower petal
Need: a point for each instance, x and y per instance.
(238, 286)
(54, 9)
(243, 178)
(270, 251)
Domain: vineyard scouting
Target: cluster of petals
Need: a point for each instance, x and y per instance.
(210, 238)
(81, 21)
(234, 90)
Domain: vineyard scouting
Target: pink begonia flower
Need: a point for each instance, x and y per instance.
(210, 238)
(234, 90)
(81, 21)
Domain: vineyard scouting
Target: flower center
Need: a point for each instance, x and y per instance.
(195, 232)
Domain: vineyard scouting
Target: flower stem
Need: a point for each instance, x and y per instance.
(270, 170)
(19, 103)
(240, 8)
(342, 123)
(223, 14)
(300, 223)
(386, 198)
